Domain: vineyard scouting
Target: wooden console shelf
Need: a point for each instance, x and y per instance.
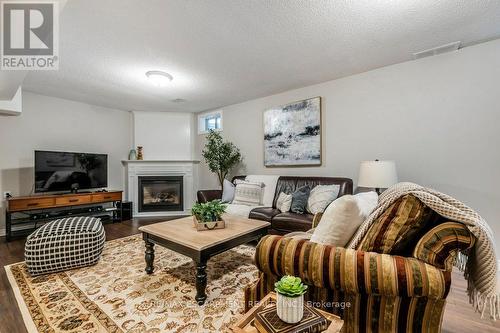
(43, 208)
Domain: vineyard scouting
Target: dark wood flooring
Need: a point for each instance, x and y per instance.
(458, 317)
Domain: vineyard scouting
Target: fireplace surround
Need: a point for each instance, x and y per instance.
(170, 187)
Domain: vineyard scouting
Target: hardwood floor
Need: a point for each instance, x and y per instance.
(458, 317)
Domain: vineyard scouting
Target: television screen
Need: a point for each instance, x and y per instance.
(62, 171)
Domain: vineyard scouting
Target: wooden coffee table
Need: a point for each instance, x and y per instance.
(181, 236)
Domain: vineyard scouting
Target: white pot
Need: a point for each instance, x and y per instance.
(290, 309)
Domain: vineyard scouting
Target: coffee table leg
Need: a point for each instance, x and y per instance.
(150, 257)
(201, 282)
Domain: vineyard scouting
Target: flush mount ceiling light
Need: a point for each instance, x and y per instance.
(159, 78)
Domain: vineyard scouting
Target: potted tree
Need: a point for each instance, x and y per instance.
(208, 215)
(221, 156)
(290, 299)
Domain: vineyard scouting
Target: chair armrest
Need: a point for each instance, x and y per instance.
(350, 271)
(208, 195)
(316, 219)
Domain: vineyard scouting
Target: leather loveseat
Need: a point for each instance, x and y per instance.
(283, 223)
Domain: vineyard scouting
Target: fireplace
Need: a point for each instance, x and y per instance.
(160, 193)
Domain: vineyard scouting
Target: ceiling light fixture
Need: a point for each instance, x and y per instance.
(159, 78)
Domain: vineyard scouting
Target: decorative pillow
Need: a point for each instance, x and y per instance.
(228, 191)
(321, 196)
(400, 227)
(247, 193)
(284, 202)
(299, 199)
(343, 217)
(440, 246)
(269, 182)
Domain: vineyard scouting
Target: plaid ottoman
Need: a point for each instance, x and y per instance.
(64, 244)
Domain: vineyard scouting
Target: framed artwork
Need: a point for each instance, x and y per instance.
(292, 134)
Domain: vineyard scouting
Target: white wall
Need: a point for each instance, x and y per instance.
(164, 135)
(437, 117)
(57, 124)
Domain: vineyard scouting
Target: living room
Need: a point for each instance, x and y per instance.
(388, 106)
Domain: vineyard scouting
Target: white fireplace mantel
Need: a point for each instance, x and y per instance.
(186, 168)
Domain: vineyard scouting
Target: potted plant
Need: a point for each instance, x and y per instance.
(208, 215)
(220, 156)
(290, 299)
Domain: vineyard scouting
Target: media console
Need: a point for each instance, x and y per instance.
(25, 214)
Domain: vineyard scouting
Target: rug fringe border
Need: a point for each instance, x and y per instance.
(28, 321)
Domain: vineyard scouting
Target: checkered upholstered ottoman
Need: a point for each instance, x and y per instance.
(64, 244)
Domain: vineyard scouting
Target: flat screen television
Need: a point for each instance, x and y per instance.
(66, 171)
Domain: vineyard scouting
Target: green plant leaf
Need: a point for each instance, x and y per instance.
(209, 211)
(290, 286)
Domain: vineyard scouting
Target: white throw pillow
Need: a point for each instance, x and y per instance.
(320, 197)
(269, 182)
(284, 202)
(343, 217)
(248, 193)
(228, 192)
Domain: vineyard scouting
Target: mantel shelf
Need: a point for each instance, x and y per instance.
(160, 161)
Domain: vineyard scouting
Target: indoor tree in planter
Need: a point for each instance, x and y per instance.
(290, 299)
(221, 156)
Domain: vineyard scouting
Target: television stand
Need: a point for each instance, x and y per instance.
(24, 214)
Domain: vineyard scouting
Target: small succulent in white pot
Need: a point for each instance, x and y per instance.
(290, 299)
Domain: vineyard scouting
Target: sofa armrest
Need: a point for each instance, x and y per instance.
(208, 195)
(350, 271)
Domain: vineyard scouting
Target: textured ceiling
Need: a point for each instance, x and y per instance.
(222, 52)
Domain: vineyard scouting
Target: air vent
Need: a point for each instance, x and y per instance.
(437, 50)
(178, 100)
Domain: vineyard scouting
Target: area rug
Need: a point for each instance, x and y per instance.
(117, 296)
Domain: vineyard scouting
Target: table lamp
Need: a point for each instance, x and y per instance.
(377, 174)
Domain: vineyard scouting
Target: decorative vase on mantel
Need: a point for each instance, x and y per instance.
(140, 154)
(290, 299)
(132, 155)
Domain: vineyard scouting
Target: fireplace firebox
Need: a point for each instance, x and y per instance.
(160, 193)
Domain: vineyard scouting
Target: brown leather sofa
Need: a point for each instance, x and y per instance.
(283, 223)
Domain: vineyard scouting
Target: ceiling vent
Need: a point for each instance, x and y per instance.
(178, 100)
(437, 50)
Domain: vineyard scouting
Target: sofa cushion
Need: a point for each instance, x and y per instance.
(292, 222)
(239, 210)
(343, 217)
(228, 191)
(264, 213)
(320, 197)
(248, 193)
(290, 184)
(299, 200)
(400, 227)
(284, 202)
(269, 182)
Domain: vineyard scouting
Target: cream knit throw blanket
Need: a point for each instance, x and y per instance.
(480, 269)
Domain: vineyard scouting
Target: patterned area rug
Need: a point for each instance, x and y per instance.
(117, 296)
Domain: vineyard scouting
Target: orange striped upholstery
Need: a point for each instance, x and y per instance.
(400, 226)
(440, 246)
(384, 293)
(350, 271)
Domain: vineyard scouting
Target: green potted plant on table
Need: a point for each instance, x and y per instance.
(208, 215)
(290, 299)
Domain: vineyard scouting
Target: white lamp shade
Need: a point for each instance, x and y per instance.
(377, 174)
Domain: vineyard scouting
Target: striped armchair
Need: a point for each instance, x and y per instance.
(372, 292)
